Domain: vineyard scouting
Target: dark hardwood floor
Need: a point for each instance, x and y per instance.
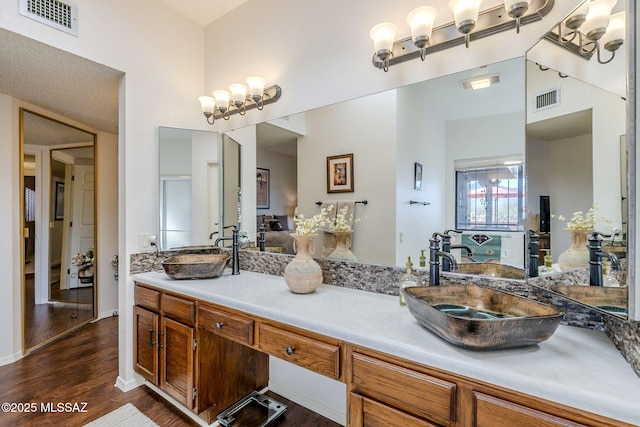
(45, 321)
(82, 367)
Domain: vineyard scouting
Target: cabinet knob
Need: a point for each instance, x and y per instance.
(219, 325)
(291, 349)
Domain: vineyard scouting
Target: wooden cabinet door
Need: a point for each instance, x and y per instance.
(177, 361)
(145, 343)
(365, 412)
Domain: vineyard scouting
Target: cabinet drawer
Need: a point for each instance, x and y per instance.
(491, 411)
(406, 389)
(364, 412)
(147, 297)
(178, 308)
(233, 327)
(307, 352)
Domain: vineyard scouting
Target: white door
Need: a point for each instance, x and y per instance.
(82, 217)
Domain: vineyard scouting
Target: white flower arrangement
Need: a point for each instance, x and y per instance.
(342, 223)
(582, 221)
(306, 226)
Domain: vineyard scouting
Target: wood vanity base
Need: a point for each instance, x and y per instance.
(227, 358)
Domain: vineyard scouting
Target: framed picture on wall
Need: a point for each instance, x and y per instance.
(417, 177)
(59, 202)
(262, 188)
(340, 173)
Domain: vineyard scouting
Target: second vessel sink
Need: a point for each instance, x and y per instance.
(195, 266)
(613, 300)
(492, 270)
(481, 318)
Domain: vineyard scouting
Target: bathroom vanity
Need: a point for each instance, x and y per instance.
(206, 343)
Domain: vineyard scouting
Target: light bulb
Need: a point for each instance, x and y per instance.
(465, 13)
(238, 93)
(207, 104)
(597, 19)
(383, 36)
(421, 22)
(614, 37)
(222, 99)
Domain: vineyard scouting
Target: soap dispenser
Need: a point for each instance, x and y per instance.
(607, 279)
(407, 279)
(423, 259)
(548, 260)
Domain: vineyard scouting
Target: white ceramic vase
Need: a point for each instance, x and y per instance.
(342, 251)
(303, 274)
(577, 256)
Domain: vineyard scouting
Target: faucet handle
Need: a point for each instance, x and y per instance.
(447, 232)
(595, 235)
(436, 235)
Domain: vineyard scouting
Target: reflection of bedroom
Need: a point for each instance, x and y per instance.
(277, 151)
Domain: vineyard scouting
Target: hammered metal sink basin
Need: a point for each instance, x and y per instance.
(480, 318)
(491, 269)
(195, 266)
(612, 300)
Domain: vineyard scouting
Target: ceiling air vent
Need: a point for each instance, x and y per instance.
(60, 15)
(547, 99)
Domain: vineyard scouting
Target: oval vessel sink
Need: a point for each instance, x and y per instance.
(480, 318)
(195, 266)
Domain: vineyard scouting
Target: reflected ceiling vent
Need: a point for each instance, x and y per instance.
(62, 16)
(548, 99)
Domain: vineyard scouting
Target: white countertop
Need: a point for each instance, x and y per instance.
(576, 367)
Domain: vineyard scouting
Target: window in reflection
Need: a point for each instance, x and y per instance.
(490, 198)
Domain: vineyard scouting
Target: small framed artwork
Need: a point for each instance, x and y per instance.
(340, 173)
(417, 177)
(262, 188)
(59, 202)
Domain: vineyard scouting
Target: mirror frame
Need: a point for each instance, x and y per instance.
(25, 350)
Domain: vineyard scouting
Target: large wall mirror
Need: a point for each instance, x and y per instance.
(450, 130)
(442, 124)
(199, 186)
(577, 153)
(59, 228)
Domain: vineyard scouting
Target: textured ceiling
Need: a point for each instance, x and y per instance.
(59, 81)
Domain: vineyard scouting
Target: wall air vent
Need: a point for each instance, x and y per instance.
(547, 99)
(54, 13)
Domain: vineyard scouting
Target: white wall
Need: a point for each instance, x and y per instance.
(107, 218)
(161, 54)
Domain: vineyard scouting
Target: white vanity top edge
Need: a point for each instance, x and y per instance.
(577, 367)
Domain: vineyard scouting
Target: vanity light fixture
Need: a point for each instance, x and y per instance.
(469, 24)
(238, 99)
(590, 28)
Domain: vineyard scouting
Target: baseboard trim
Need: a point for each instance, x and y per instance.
(126, 386)
(7, 360)
(313, 405)
(106, 314)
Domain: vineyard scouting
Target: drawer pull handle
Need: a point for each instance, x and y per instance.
(219, 325)
(151, 341)
(291, 349)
